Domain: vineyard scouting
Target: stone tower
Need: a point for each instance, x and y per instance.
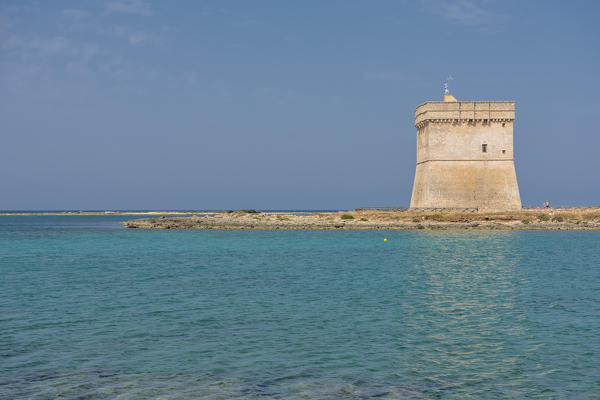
(465, 155)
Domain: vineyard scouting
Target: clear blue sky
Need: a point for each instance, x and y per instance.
(135, 104)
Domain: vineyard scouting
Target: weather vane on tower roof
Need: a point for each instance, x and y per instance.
(447, 96)
(446, 91)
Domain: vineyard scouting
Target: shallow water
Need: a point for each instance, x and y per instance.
(91, 310)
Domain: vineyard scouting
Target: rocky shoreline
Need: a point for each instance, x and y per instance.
(564, 219)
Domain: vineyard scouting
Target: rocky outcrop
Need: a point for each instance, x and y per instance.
(530, 220)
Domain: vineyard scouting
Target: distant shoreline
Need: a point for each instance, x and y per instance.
(75, 213)
(40, 213)
(547, 219)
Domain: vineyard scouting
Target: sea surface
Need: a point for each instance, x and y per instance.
(89, 310)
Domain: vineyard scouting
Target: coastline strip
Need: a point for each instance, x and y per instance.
(565, 219)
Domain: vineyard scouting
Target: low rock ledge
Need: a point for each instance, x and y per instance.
(563, 219)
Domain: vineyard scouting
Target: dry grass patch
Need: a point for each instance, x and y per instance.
(591, 216)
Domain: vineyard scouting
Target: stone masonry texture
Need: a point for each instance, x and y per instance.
(465, 156)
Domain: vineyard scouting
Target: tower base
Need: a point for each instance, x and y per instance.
(483, 185)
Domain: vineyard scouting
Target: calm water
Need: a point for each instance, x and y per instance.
(89, 310)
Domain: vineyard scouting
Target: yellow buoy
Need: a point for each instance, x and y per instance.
(385, 239)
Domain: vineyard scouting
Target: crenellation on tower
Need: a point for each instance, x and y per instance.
(464, 111)
(465, 156)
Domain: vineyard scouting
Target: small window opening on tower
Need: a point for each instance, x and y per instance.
(503, 151)
(484, 148)
(503, 124)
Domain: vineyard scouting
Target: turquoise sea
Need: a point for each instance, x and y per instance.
(89, 310)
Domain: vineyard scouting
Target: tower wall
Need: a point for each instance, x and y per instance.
(452, 170)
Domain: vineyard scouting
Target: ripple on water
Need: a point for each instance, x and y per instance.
(89, 310)
(108, 384)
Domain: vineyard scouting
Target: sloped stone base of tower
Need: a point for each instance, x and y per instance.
(484, 185)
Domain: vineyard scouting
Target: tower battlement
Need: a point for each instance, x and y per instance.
(464, 111)
(465, 155)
